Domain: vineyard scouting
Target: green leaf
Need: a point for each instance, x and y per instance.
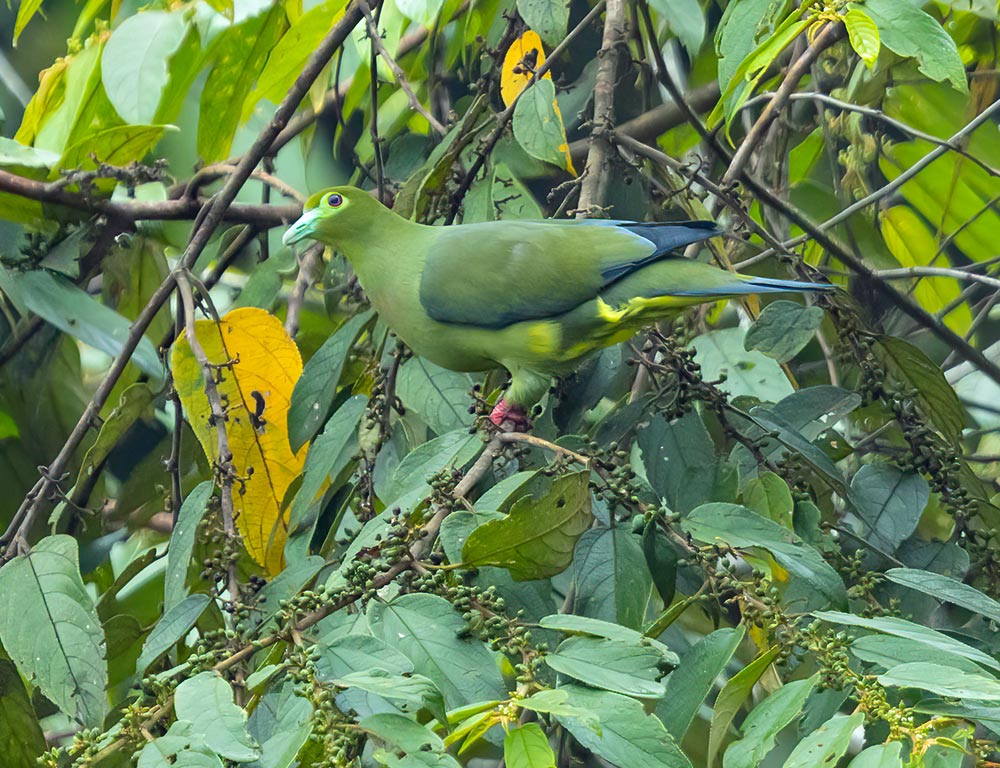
(583, 625)
(765, 721)
(549, 19)
(879, 756)
(131, 406)
(206, 701)
(21, 737)
(942, 680)
(770, 420)
(171, 628)
(661, 560)
(538, 127)
(528, 747)
(608, 585)
(240, 54)
(742, 25)
(118, 145)
(49, 628)
(889, 503)
(429, 632)
(181, 747)
(689, 685)
(317, 386)
(73, 311)
(328, 455)
(421, 746)
(909, 31)
(915, 245)
(946, 589)
(421, 11)
(628, 736)
(685, 19)
(827, 744)
(901, 628)
(182, 540)
(537, 538)
(888, 651)
(815, 582)
(556, 701)
(438, 396)
(612, 665)
(863, 34)
(281, 723)
(288, 57)
(410, 480)
(292, 580)
(769, 496)
(783, 329)
(414, 691)
(722, 354)
(341, 655)
(134, 65)
(731, 698)
(681, 464)
(24, 160)
(25, 12)
(753, 67)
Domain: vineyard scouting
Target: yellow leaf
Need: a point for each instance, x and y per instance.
(267, 363)
(50, 94)
(913, 245)
(524, 56)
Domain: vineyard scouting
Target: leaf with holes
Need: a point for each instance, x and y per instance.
(536, 539)
(262, 364)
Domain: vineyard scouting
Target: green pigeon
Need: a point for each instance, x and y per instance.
(533, 296)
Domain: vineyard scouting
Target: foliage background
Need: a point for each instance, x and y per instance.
(762, 535)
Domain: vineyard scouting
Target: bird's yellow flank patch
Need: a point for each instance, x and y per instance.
(544, 338)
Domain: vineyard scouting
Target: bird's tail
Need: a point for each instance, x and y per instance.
(751, 285)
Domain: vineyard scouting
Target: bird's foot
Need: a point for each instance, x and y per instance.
(504, 411)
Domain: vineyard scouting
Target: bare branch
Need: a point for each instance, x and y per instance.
(397, 70)
(597, 169)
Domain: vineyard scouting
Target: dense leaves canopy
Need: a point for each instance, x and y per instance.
(243, 525)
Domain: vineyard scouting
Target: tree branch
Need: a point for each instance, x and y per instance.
(397, 70)
(504, 117)
(214, 213)
(595, 172)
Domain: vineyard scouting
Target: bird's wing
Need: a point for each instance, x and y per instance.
(495, 274)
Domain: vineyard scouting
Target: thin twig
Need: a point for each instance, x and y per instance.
(130, 211)
(538, 442)
(895, 184)
(830, 34)
(214, 212)
(882, 117)
(958, 274)
(504, 117)
(224, 461)
(397, 70)
(216, 171)
(310, 258)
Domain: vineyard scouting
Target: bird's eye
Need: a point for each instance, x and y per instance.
(334, 200)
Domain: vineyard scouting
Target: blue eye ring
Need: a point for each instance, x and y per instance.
(335, 200)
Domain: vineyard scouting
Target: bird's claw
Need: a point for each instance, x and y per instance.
(504, 412)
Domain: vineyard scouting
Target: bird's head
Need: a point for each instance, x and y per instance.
(333, 214)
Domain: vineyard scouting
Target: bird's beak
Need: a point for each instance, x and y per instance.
(302, 228)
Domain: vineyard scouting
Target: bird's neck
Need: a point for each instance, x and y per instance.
(387, 258)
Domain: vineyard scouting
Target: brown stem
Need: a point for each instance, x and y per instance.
(213, 213)
(596, 171)
(219, 416)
